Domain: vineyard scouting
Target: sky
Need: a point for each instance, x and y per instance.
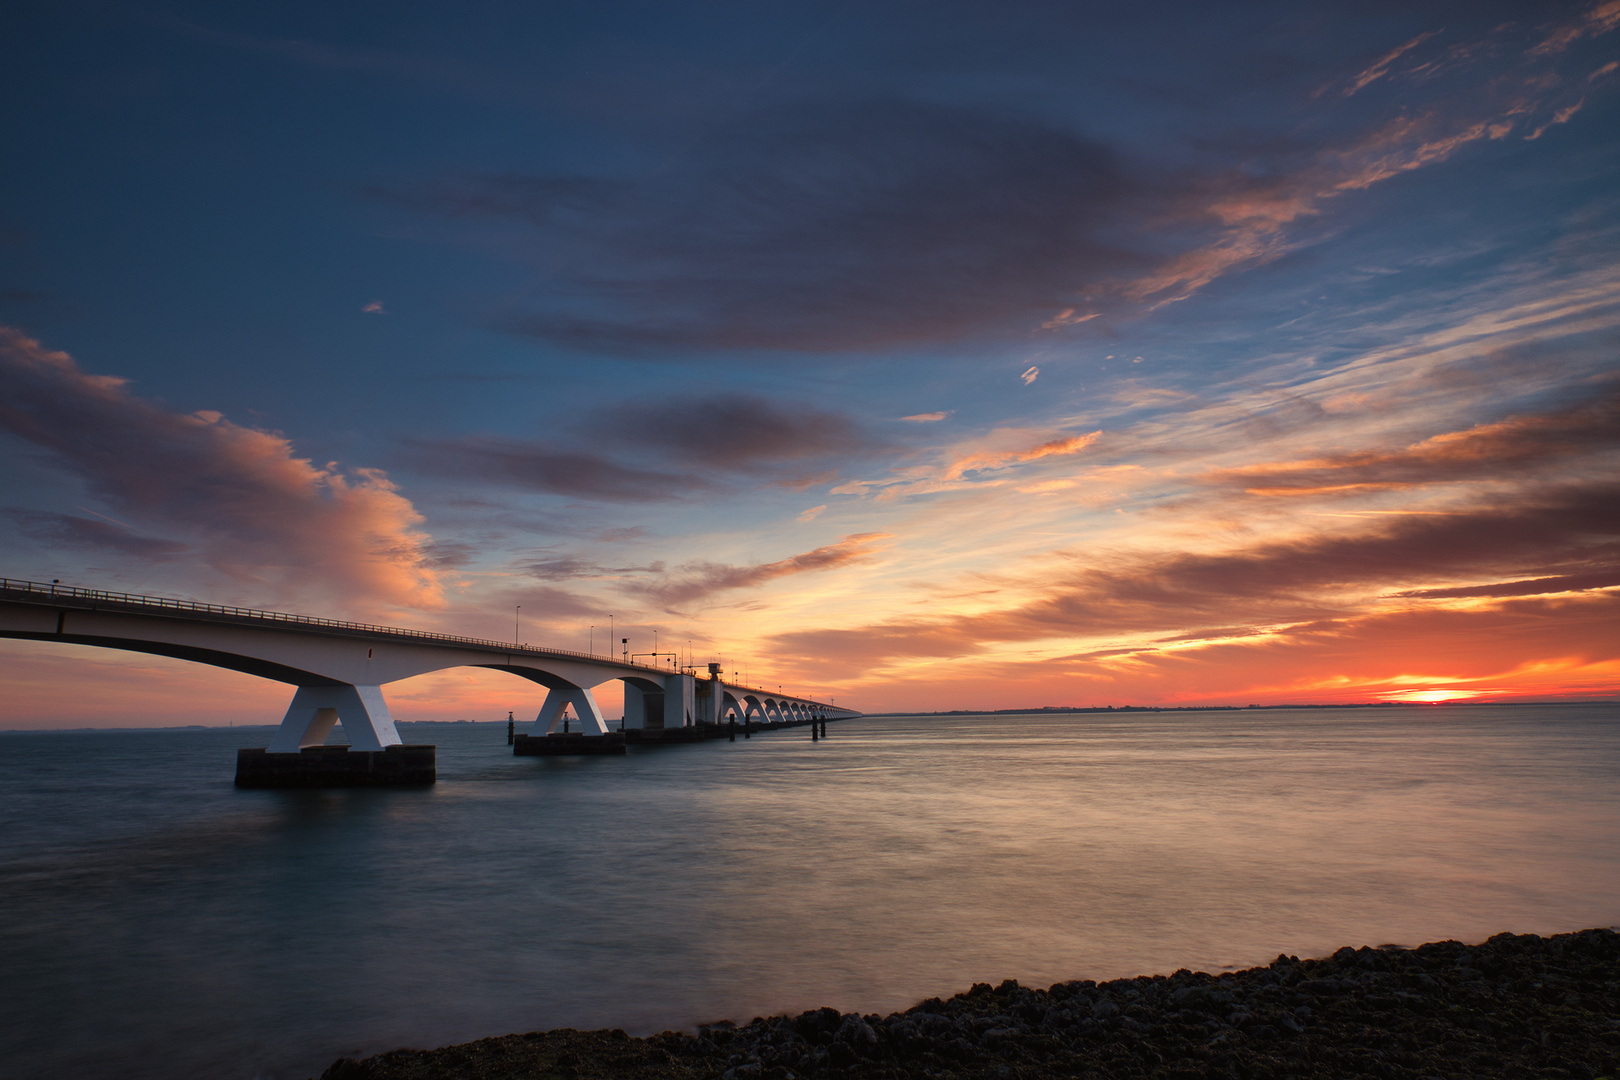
(915, 355)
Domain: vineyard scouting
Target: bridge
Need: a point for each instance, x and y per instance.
(339, 668)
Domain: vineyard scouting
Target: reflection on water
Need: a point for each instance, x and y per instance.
(155, 922)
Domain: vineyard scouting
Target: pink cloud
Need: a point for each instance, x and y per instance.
(251, 508)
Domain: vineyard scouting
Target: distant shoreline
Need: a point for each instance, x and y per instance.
(1043, 710)
(1062, 709)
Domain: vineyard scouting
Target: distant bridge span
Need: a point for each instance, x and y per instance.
(340, 668)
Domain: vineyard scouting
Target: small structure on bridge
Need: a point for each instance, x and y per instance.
(339, 669)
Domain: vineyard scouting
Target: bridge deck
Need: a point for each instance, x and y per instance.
(73, 598)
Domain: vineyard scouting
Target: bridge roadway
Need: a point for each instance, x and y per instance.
(339, 668)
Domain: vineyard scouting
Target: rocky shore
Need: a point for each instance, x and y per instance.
(1515, 1006)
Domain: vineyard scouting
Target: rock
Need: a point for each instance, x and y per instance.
(1547, 1012)
(818, 1023)
(858, 1035)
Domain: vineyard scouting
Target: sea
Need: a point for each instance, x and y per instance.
(157, 922)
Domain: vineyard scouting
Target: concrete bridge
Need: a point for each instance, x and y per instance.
(340, 668)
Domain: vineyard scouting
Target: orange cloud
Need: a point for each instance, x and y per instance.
(1515, 446)
(1538, 649)
(251, 507)
(1131, 601)
(982, 460)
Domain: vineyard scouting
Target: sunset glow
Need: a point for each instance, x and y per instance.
(996, 359)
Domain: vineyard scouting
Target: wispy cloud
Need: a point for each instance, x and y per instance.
(1270, 585)
(698, 580)
(1380, 67)
(833, 224)
(988, 459)
(1559, 438)
(927, 417)
(563, 567)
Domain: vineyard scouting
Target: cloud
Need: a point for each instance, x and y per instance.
(548, 468)
(1380, 67)
(1493, 86)
(240, 496)
(67, 531)
(691, 446)
(739, 432)
(1602, 579)
(1599, 19)
(861, 222)
(984, 460)
(823, 225)
(1572, 533)
(812, 513)
(1030, 375)
(1491, 451)
(374, 308)
(563, 567)
(928, 417)
(963, 466)
(698, 580)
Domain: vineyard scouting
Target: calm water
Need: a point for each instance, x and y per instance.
(156, 922)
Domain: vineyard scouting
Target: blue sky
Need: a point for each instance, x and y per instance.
(938, 355)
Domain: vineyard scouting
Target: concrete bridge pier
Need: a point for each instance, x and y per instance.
(299, 757)
(547, 737)
(316, 710)
(558, 699)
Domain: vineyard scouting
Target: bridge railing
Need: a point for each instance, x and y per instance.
(171, 604)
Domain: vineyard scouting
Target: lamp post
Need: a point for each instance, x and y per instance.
(593, 639)
(516, 611)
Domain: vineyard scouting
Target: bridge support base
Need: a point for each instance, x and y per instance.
(571, 743)
(338, 766)
(690, 733)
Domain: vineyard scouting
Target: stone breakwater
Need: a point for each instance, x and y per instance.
(1515, 1006)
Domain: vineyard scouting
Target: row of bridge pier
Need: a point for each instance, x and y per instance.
(339, 670)
(410, 765)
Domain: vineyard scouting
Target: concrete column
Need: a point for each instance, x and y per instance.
(679, 700)
(635, 706)
(584, 703)
(316, 710)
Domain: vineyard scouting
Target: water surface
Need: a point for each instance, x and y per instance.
(156, 922)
